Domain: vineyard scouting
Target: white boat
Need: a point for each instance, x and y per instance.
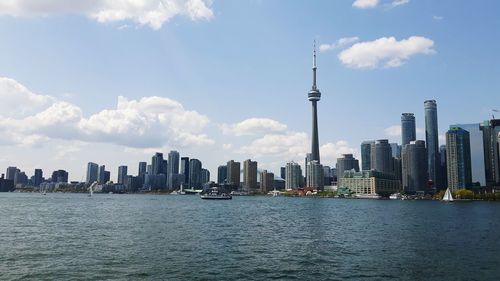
(396, 196)
(91, 188)
(367, 196)
(448, 197)
(215, 194)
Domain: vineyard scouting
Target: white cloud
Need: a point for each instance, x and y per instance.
(365, 4)
(145, 123)
(331, 151)
(393, 131)
(153, 13)
(254, 126)
(18, 101)
(396, 3)
(341, 43)
(385, 51)
(437, 18)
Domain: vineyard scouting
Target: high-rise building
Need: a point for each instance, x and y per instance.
(408, 128)
(233, 173)
(381, 157)
(185, 169)
(327, 173)
(38, 177)
(314, 96)
(92, 171)
(172, 169)
(458, 158)
(249, 175)
(60, 176)
(346, 163)
(307, 160)
(101, 175)
(366, 147)
(142, 169)
(491, 130)
(443, 177)
(476, 152)
(369, 182)
(205, 176)
(221, 174)
(432, 140)
(122, 175)
(315, 180)
(11, 172)
(414, 167)
(266, 181)
(283, 172)
(293, 176)
(164, 168)
(396, 150)
(157, 163)
(195, 174)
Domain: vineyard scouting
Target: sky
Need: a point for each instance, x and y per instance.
(112, 82)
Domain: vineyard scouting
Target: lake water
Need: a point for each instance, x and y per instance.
(152, 237)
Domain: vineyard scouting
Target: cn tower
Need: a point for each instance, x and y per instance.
(314, 96)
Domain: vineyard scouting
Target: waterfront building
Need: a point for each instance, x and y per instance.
(92, 169)
(6, 185)
(283, 172)
(458, 158)
(396, 150)
(381, 157)
(101, 175)
(408, 128)
(346, 163)
(185, 169)
(327, 173)
(249, 175)
(314, 96)
(414, 167)
(60, 176)
(157, 163)
(11, 173)
(38, 177)
(195, 180)
(221, 174)
(134, 184)
(491, 131)
(149, 169)
(476, 152)
(154, 182)
(205, 176)
(233, 173)
(164, 167)
(20, 178)
(443, 177)
(315, 179)
(122, 175)
(366, 147)
(142, 170)
(369, 182)
(266, 181)
(306, 161)
(293, 176)
(172, 169)
(432, 140)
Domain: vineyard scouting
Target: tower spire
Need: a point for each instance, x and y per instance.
(314, 66)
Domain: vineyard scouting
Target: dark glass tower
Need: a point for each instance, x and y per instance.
(431, 139)
(314, 96)
(408, 130)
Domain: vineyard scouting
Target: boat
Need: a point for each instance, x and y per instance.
(367, 196)
(448, 197)
(215, 194)
(396, 196)
(91, 189)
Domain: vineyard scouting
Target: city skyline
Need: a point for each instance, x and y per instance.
(63, 115)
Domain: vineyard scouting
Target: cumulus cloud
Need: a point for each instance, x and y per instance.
(153, 13)
(385, 51)
(148, 122)
(331, 151)
(365, 4)
(18, 101)
(339, 44)
(254, 126)
(395, 132)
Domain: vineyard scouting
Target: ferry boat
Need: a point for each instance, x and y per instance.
(367, 196)
(216, 195)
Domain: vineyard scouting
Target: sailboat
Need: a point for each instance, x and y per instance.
(91, 188)
(447, 196)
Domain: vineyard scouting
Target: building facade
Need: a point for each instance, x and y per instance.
(233, 173)
(366, 147)
(381, 156)
(458, 158)
(315, 179)
(195, 168)
(346, 163)
(491, 131)
(266, 181)
(122, 175)
(221, 174)
(432, 140)
(370, 182)
(92, 171)
(293, 176)
(249, 175)
(414, 167)
(408, 128)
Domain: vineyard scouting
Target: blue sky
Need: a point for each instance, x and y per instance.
(232, 77)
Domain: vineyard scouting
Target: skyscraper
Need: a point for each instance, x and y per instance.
(293, 176)
(414, 167)
(205, 176)
(346, 163)
(221, 174)
(11, 172)
(458, 158)
(172, 168)
(38, 177)
(315, 180)
(185, 169)
(366, 147)
(60, 176)
(233, 173)
(101, 175)
(195, 174)
(157, 163)
(142, 169)
(314, 96)
(122, 174)
(408, 129)
(283, 172)
(249, 175)
(92, 169)
(432, 140)
(476, 152)
(381, 157)
(266, 181)
(491, 130)
(443, 177)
